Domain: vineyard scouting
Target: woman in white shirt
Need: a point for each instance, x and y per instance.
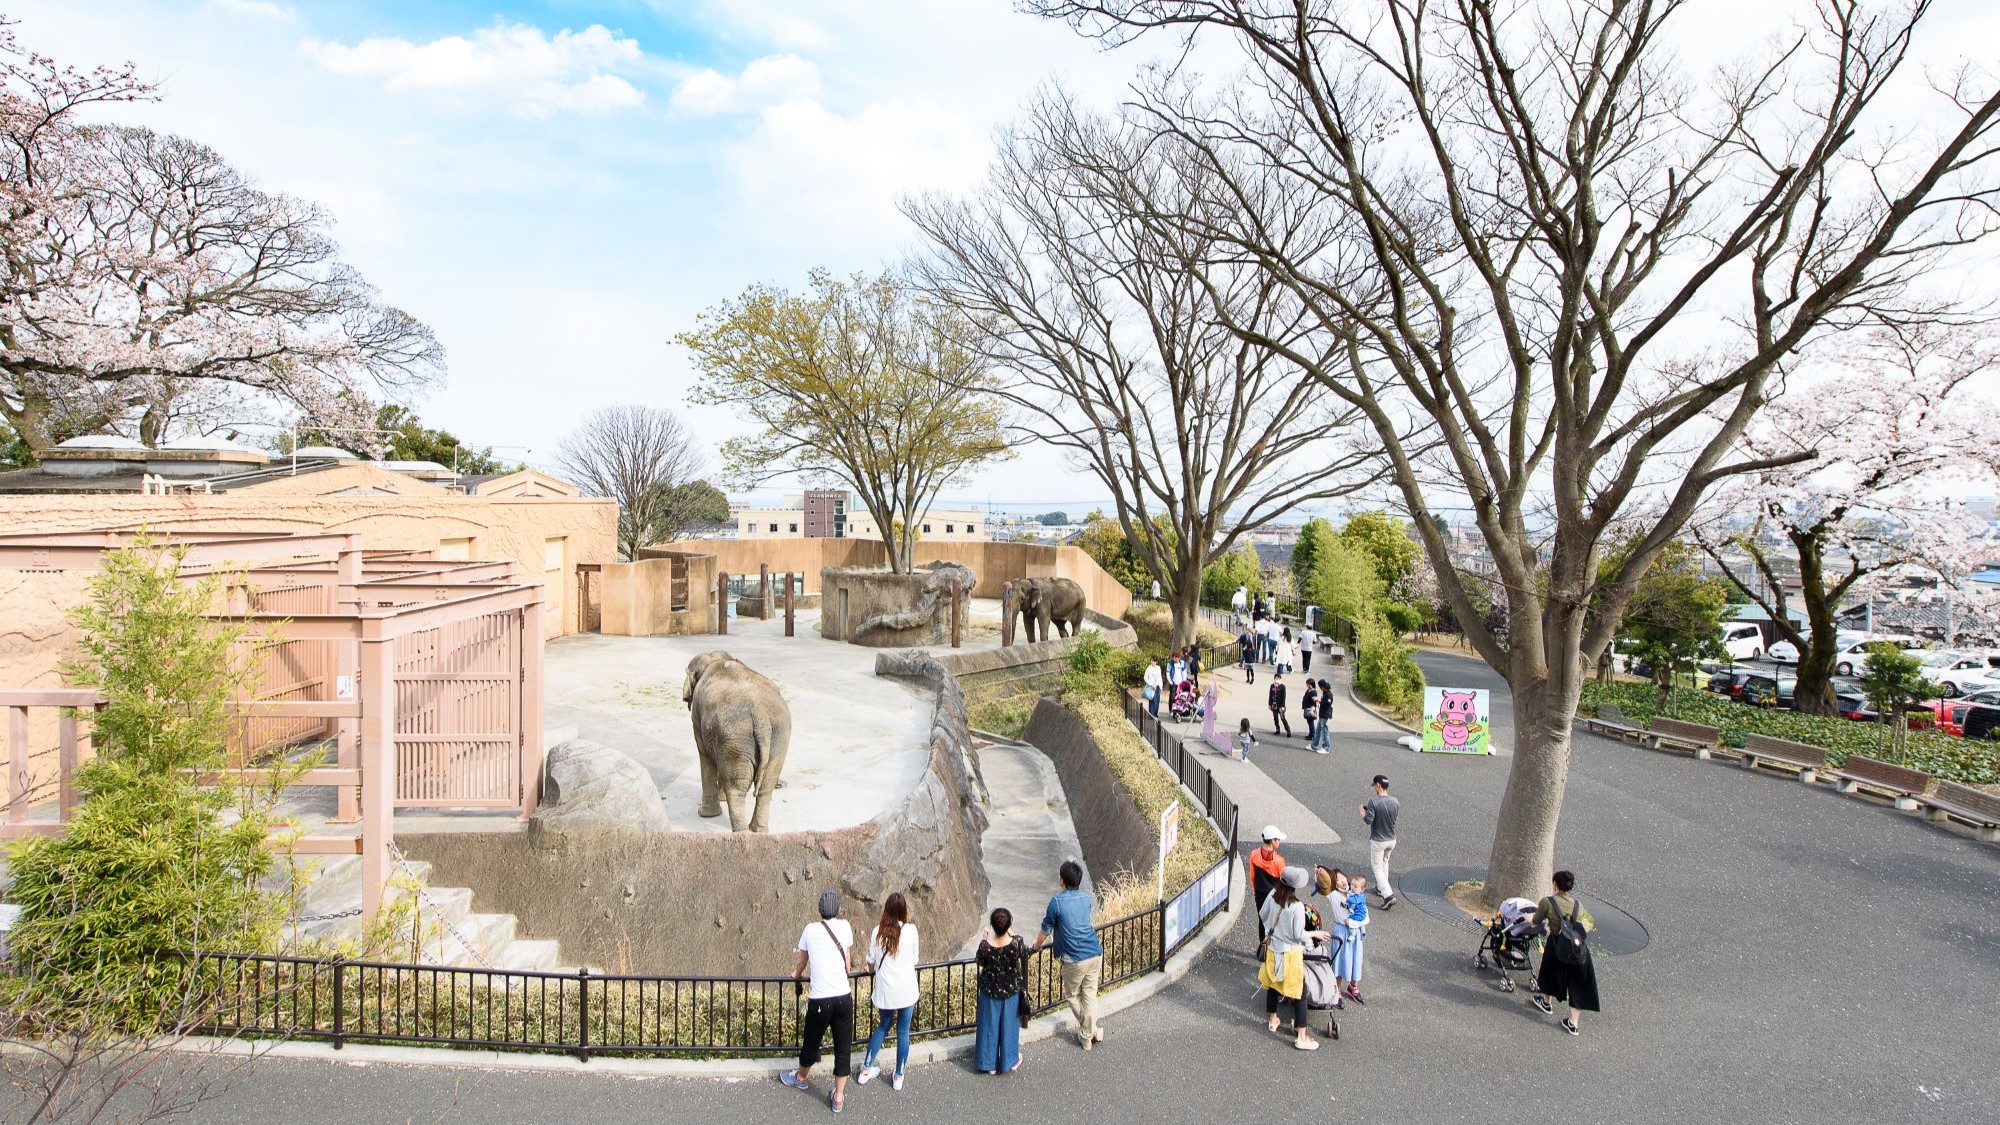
(892, 954)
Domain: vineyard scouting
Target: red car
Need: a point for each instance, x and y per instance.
(1949, 715)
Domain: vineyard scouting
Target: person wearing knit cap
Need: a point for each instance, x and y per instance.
(826, 949)
(1283, 972)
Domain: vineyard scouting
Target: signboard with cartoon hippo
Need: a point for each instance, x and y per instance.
(1457, 721)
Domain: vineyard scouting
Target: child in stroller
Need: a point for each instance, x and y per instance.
(1508, 940)
(1184, 707)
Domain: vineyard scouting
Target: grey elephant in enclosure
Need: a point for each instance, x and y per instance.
(742, 728)
(1043, 602)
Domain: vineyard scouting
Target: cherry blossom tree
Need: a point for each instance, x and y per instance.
(1870, 464)
(148, 283)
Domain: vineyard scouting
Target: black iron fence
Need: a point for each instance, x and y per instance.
(585, 1013)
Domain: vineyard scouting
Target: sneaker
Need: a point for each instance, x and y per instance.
(1306, 1044)
(1389, 903)
(837, 1102)
(1543, 1004)
(868, 1074)
(1322, 751)
(1571, 1028)
(896, 1081)
(791, 1078)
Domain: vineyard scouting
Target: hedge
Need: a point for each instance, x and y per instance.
(1938, 754)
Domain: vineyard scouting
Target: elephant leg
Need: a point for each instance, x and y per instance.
(739, 807)
(760, 821)
(711, 800)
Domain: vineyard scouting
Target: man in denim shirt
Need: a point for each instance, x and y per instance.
(1067, 921)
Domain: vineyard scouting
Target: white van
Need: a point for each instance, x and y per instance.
(1742, 640)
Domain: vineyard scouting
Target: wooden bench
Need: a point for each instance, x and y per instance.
(1611, 720)
(1905, 785)
(1762, 749)
(1976, 807)
(1686, 736)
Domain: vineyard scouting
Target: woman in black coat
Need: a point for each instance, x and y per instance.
(1558, 979)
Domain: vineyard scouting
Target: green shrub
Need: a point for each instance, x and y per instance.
(1936, 753)
(1385, 669)
(151, 863)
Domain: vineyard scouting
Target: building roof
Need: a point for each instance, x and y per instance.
(41, 481)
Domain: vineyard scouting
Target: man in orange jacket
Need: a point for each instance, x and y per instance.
(1266, 868)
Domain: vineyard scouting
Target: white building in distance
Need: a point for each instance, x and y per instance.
(829, 513)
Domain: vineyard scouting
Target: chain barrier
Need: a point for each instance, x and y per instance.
(417, 887)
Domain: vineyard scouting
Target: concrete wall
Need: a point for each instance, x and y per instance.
(996, 564)
(637, 600)
(390, 511)
(884, 610)
(1109, 827)
(1028, 663)
(702, 902)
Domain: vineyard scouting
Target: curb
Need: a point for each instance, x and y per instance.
(1356, 700)
(764, 1067)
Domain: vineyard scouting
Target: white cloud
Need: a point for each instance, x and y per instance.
(767, 81)
(258, 10)
(514, 64)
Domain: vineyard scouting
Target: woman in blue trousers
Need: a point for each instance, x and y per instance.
(1003, 975)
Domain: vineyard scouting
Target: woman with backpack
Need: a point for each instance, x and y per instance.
(1567, 974)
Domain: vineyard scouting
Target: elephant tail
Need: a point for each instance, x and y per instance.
(771, 737)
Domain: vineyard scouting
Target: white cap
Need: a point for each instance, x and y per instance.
(1272, 832)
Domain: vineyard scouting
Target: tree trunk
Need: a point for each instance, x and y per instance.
(1524, 840)
(1813, 694)
(1185, 602)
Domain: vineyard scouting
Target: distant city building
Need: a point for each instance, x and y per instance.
(828, 513)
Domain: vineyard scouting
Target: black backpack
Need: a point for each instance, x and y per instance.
(1569, 944)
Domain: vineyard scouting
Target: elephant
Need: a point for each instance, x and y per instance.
(1043, 602)
(742, 728)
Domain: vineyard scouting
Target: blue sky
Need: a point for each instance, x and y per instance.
(557, 188)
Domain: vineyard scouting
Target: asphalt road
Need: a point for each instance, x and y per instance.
(1814, 958)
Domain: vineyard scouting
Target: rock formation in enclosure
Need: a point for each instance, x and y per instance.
(874, 607)
(742, 727)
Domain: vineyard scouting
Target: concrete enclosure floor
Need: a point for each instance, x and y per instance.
(859, 743)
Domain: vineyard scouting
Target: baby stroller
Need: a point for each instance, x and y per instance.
(1184, 707)
(1322, 991)
(1507, 941)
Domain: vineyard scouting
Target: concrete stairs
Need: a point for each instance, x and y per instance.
(437, 925)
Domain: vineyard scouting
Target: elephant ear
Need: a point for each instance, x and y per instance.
(695, 668)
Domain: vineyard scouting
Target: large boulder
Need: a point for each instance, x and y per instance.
(589, 787)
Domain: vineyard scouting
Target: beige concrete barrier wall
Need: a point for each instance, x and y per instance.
(996, 564)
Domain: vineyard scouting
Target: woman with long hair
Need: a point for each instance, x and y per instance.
(892, 955)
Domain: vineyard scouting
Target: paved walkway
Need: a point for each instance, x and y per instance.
(1814, 959)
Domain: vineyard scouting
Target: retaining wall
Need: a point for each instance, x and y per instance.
(1112, 832)
(699, 902)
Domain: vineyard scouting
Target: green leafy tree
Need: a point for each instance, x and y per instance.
(1237, 568)
(1315, 537)
(1052, 519)
(414, 441)
(1345, 581)
(1387, 541)
(1104, 541)
(857, 379)
(1671, 620)
(152, 862)
(1893, 679)
(697, 501)
(1386, 669)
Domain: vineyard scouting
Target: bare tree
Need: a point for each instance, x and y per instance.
(640, 456)
(1096, 319)
(144, 277)
(1584, 268)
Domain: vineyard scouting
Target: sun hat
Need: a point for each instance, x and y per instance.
(1272, 832)
(1297, 878)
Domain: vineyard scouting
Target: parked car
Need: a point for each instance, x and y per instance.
(1742, 640)
(1729, 681)
(1949, 715)
(1759, 690)
(1853, 655)
(1989, 696)
(1957, 672)
(1982, 723)
(1853, 705)
(1785, 652)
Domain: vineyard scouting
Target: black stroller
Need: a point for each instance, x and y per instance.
(1508, 940)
